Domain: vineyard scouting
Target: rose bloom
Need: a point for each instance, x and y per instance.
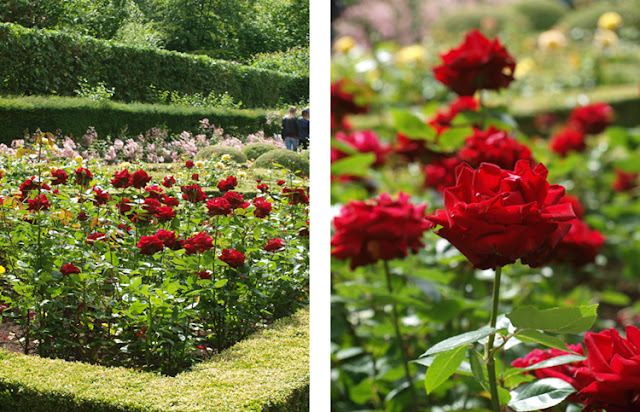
(189, 164)
(59, 176)
(236, 200)
(198, 243)
(149, 245)
(168, 181)
(443, 118)
(477, 63)
(32, 185)
(343, 103)
(121, 179)
(228, 184)
(625, 181)
(195, 177)
(140, 179)
(610, 377)
(150, 206)
(170, 240)
(263, 208)
(580, 246)
(83, 176)
(495, 217)
(280, 182)
(273, 245)
(365, 141)
(92, 238)
(38, 203)
(100, 197)
(68, 269)
(263, 188)
(296, 195)
(193, 193)
(568, 139)
(592, 119)
(576, 205)
(155, 192)
(124, 205)
(378, 229)
(411, 149)
(440, 174)
(493, 146)
(218, 206)
(164, 214)
(204, 274)
(83, 217)
(232, 257)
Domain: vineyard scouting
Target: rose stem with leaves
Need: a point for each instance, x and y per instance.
(396, 325)
(488, 350)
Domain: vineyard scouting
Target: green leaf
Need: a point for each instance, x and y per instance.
(453, 138)
(541, 394)
(112, 258)
(412, 126)
(559, 320)
(356, 165)
(443, 366)
(220, 283)
(460, 340)
(558, 360)
(534, 336)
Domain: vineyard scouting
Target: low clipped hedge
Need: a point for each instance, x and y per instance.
(255, 150)
(267, 372)
(464, 19)
(73, 116)
(215, 151)
(542, 14)
(44, 62)
(587, 17)
(287, 158)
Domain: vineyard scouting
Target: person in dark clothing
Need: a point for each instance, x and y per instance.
(291, 129)
(304, 128)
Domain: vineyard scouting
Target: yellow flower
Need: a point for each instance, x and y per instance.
(2, 270)
(3, 172)
(124, 165)
(242, 174)
(225, 157)
(610, 21)
(219, 165)
(414, 54)
(199, 164)
(524, 66)
(344, 44)
(552, 40)
(78, 159)
(605, 38)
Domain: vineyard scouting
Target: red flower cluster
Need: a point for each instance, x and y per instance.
(140, 179)
(149, 245)
(296, 195)
(32, 185)
(625, 181)
(38, 203)
(379, 229)
(263, 208)
(236, 200)
(189, 164)
(263, 188)
(232, 257)
(477, 63)
(219, 206)
(365, 141)
(567, 140)
(96, 236)
(493, 146)
(83, 176)
(68, 269)
(193, 193)
(495, 216)
(440, 174)
(168, 181)
(60, 177)
(121, 179)
(273, 245)
(343, 103)
(228, 184)
(199, 242)
(443, 118)
(170, 240)
(100, 197)
(592, 118)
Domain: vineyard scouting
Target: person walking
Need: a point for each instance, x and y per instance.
(291, 129)
(304, 128)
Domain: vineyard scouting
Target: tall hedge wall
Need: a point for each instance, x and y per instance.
(43, 62)
(73, 116)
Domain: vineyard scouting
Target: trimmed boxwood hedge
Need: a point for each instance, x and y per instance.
(287, 158)
(254, 150)
(267, 372)
(73, 116)
(216, 151)
(44, 62)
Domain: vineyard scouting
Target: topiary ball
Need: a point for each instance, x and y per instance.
(254, 150)
(213, 152)
(288, 158)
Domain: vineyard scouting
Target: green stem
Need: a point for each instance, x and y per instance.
(396, 325)
(489, 352)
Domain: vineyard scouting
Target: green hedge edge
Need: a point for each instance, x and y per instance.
(73, 116)
(267, 372)
(45, 62)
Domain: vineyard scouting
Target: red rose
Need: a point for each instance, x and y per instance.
(193, 193)
(440, 174)
(124, 206)
(83, 217)
(164, 214)
(580, 246)
(236, 200)
(368, 231)
(610, 377)
(121, 179)
(170, 240)
(443, 118)
(592, 119)
(411, 149)
(219, 206)
(198, 243)
(495, 216)
(83, 176)
(140, 179)
(625, 181)
(568, 139)
(100, 197)
(365, 141)
(38, 203)
(68, 269)
(168, 181)
(263, 208)
(228, 184)
(31, 185)
(232, 257)
(189, 164)
(59, 176)
(204, 274)
(155, 192)
(493, 146)
(92, 238)
(296, 195)
(273, 245)
(477, 63)
(576, 205)
(343, 103)
(195, 177)
(280, 182)
(263, 188)
(170, 201)
(150, 206)
(149, 245)
(565, 372)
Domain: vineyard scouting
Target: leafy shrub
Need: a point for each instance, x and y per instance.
(255, 150)
(215, 151)
(289, 159)
(542, 14)
(490, 20)
(587, 17)
(293, 61)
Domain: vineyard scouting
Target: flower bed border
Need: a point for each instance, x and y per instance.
(269, 371)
